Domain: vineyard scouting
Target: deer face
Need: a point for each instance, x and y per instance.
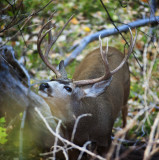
(64, 96)
(56, 89)
(58, 96)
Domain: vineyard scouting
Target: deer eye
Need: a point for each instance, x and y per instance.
(68, 88)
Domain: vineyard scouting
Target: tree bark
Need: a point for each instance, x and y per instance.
(16, 98)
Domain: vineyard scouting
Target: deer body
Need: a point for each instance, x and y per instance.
(99, 88)
(118, 91)
(105, 107)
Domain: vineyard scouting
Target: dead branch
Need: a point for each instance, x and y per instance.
(16, 97)
(108, 32)
(151, 139)
(65, 140)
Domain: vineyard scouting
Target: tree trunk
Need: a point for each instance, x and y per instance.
(16, 98)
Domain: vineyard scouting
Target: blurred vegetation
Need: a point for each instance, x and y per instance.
(3, 134)
(89, 18)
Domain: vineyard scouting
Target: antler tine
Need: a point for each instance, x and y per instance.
(50, 34)
(45, 57)
(41, 30)
(104, 57)
(105, 62)
(108, 74)
(51, 41)
(50, 19)
(132, 43)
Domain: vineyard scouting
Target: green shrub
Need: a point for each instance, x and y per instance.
(3, 134)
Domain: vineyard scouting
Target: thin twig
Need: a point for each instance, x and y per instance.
(76, 124)
(151, 137)
(56, 139)
(66, 141)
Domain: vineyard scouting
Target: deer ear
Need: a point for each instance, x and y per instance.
(62, 70)
(96, 89)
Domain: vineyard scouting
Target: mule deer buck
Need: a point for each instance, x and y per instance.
(100, 87)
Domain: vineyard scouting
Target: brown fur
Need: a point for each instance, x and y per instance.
(103, 102)
(92, 67)
(106, 107)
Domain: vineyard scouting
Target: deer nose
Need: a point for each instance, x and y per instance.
(43, 86)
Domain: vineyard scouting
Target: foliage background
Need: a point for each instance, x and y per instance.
(89, 18)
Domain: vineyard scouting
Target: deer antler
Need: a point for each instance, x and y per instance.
(51, 42)
(108, 74)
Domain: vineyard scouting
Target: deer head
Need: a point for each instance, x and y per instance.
(63, 94)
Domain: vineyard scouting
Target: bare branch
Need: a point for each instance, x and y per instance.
(108, 32)
(76, 123)
(151, 138)
(66, 141)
